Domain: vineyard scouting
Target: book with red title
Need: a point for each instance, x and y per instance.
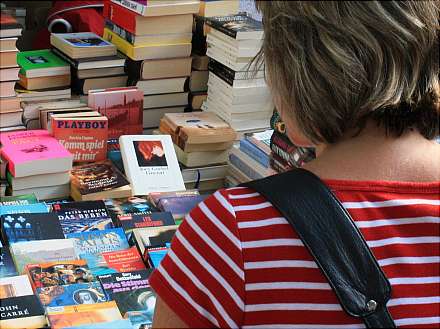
(34, 152)
(86, 138)
(123, 108)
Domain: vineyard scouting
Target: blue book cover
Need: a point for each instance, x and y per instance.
(24, 209)
(254, 152)
(243, 167)
(118, 324)
(30, 227)
(180, 206)
(7, 267)
(157, 254)
(72, 294)
(90, 246)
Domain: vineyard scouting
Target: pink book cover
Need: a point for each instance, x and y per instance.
(122, 106)
(20, 147)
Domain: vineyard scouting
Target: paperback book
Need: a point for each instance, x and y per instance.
(41, 63)
(127, 206)
(126, 260)
(7, 267)
(15, 286)
(18, 200)
(151, 164)
(30, 227)
(22, 312)
(74, 294)
(133, 295)
(42, 251)
(24, 209)
(83, 216)
(130, 222)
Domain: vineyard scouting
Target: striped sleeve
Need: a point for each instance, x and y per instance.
(202, 277)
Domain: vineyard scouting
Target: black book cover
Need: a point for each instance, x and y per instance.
(131, 221)
(231, 25)
(7, 267)
(131, 291)
(133, 69)
(20, 307)
(30, 227)
(222, 71)
(83, 216)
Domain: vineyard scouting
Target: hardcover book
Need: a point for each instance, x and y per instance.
(73, 294)
(7, 267)
(83, 216)
(77, 315)
(59, 273)
(34, 152)
(91, 245)
(98, 180)
(42, 251)
(22, 312)
(86, 138)
(41, 63)
(133, 295)
(122, 106)
(151, 164)
(30, 227)
(24, 209)
(126, 260)
(82, 45)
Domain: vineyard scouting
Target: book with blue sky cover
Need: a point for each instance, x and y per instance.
(24, 209)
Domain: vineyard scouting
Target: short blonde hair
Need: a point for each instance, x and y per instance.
(338, 63)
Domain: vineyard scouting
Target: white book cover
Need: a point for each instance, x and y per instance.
(151, 164)
(15, 286)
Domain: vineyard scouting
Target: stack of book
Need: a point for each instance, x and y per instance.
(10, 111)
(201, 140)
(94, 61)
(240, 97)
(156, 37)
(37, 163)
(251, 159)
(286, 155)
(198, 82)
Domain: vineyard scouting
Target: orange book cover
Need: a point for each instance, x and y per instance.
(86, 138)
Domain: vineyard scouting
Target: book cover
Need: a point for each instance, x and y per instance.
(155, 255)
(85, 138)
(114, 154)
(90, 246)
(180, 206)
(126, 206)
(122, 261)
(24, 209)
(122, 106)
(118, 324)
(84, 314)
(131, 221)
(133, 295)
(7, 267)
(35, 61)
(29, 227)
(42, 251)
(73, 294)
(15, 286)
(27, 148)
(154, 237)
(83, 216)
(238, 26)
(151, 164)
(97, 177)
(59, 273)
(22, 312)
(18, 200)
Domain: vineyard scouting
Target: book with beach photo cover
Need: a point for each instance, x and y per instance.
(151, 164)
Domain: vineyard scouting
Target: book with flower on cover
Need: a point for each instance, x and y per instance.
(122, 106)
(34, 152)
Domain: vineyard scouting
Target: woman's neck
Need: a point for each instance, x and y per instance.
(372, 155)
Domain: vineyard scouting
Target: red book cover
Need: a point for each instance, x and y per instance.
(122, 106)
(8, 22)
(86, 138)
(121, 16)
(127, 260)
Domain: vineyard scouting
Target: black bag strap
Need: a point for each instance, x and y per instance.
(339, 249)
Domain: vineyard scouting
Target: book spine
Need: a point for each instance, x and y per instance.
(243, 167)
(262, 145)
(255, 153)
(121, 16)
(122, 45)
(221, 28)
(280, 152)
(283, 142)
(222, 72)
(134, 6)
(127, 36)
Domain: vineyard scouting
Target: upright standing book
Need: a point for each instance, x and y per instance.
(34, 152)
(122, 106)
(151, 164)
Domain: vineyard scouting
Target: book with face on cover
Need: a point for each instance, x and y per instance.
(122, 106)
(98, 180)
(151, 164)
(34, 152)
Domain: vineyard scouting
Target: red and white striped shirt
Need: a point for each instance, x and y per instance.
(236, 262)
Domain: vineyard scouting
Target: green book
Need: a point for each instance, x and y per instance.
(24, 199)
(41, 63)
